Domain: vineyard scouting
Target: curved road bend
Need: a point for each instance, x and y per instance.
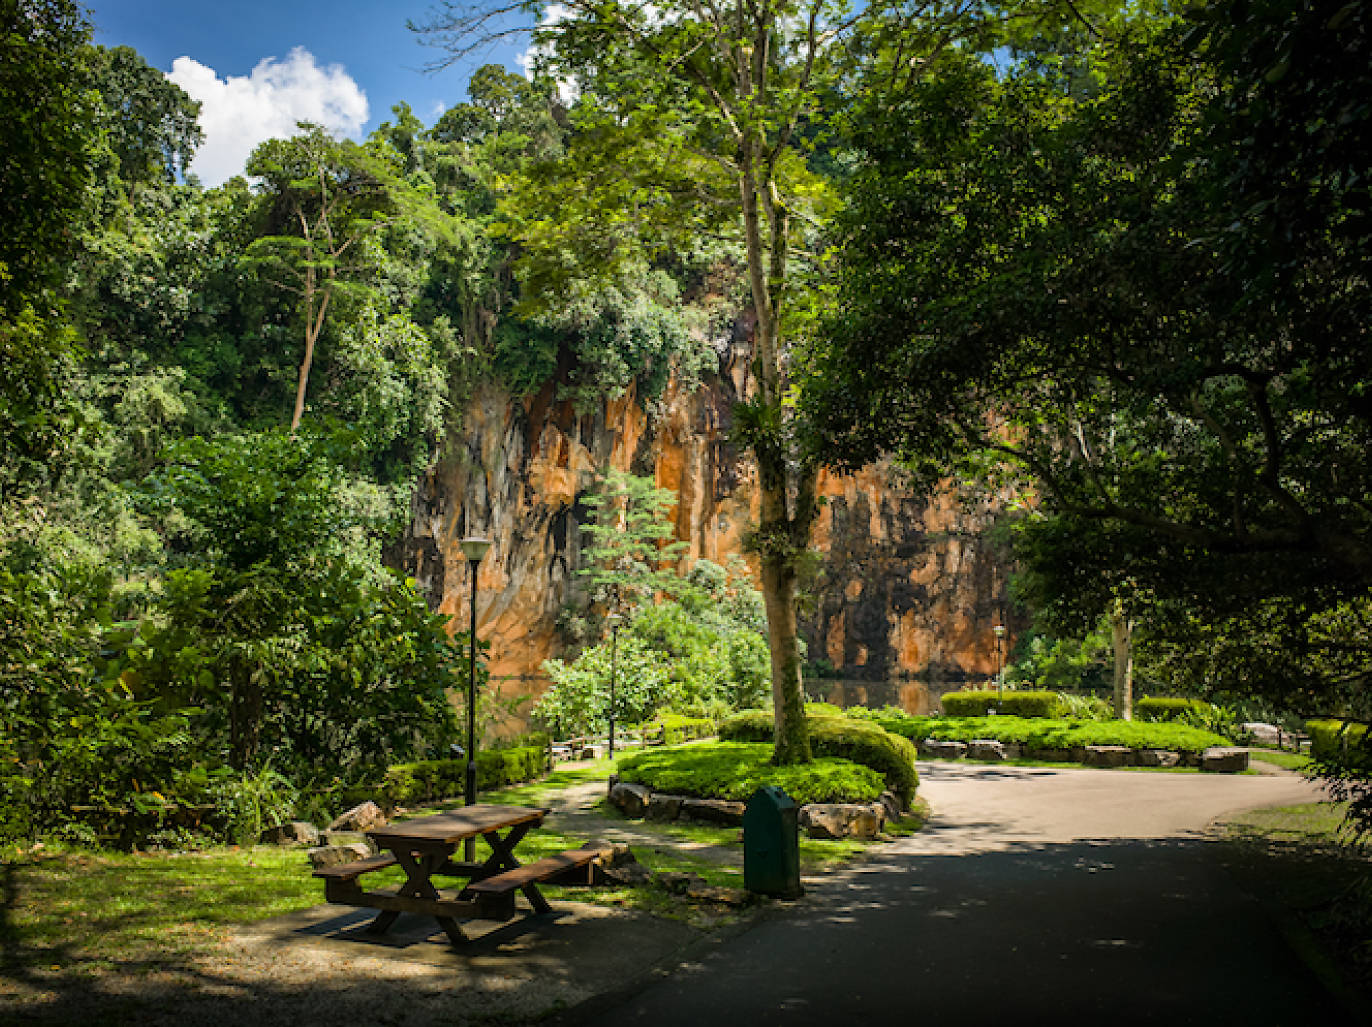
(1035, 895)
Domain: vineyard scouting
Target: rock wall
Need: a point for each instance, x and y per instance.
(909, 587)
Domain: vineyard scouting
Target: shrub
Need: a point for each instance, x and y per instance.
(438, 779)
(1338, 741)
(1043, 733)
(1013, 704)
(1084, 707)
(673, 729)
(734, 770)
(1342, 758)
(860, 741)
(1152, 709)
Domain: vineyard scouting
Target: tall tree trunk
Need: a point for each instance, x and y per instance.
(1121, 637)
(314, 324)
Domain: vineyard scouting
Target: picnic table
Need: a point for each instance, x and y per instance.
(424, 849)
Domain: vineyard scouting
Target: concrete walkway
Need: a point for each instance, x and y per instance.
(1036, 895)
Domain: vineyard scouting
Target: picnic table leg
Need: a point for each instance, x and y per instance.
(418, 885)
(503, 858)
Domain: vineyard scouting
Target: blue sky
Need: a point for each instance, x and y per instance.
(258, 66)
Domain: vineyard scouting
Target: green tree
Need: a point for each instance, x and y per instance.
(1134, 283)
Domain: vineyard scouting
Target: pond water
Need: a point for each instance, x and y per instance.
(916, 697)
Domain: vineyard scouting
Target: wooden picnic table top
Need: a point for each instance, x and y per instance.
(455, 825)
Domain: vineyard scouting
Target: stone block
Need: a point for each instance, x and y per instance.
(714, 811)
(1158, 758)
(1223, 760)
(891, 802)
(1263, 734)
(941, 750)
(630, 799)
(664, 808)
(294, 832)
(344, 838)
(362, 817)
(985, 749)
(1108, 756)
(337, 855)
(842, 819)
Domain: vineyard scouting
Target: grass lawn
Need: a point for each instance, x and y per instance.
(67, 910)
(1289, 760)
(1317, 879)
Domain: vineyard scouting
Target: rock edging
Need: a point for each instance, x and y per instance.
(861, 820)
(1215, 760)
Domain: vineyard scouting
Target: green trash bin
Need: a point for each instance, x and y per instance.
(771, 844)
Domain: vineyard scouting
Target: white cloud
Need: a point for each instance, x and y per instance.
(239, 112)
(539, 50)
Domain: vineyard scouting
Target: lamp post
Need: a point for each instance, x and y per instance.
(613, 620)
(473, 548)
(999, 631)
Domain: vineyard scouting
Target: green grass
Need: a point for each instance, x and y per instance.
(1289, 760)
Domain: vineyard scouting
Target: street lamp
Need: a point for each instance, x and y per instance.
(473, 548)
(999, 631)
(613, 620)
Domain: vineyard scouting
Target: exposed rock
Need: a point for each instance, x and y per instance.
(633, 874)
(1108, 756)
(611, 854)
(664, 807)
(1223, 760)
(1262, 734)
(1013, 751)
(1158, 758)
(343, 838)
(630, 799)
(335, 855)
(941, 750)
(892, 804)
(985, 749)
(362, 817)
(842, 819)
(679, 882)
(714, 811)
(295, 832)
(703, 892)
(1050, 755)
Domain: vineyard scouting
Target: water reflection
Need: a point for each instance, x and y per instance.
(916, 697)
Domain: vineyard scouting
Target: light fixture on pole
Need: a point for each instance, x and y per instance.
(613, 619)
(999, 631)
(474, 549)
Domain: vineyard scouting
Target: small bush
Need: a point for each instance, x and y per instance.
(860, 741)
(438, 779)
(735, 770)
(1013, 704)
(1152, 710)
(1043, 733)
(673, 729)
(1342, 741)
(1084, 707)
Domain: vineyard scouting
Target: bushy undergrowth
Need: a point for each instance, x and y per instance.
(439, 779)
(1042, 733)
(734, 770)
(1158, 708)
(1015, 704)
(673, 729)
(861, 741)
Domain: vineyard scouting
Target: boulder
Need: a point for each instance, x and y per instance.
(630, 799)
(891, 802)
(336, 855)
(1224, 760)
(294, 832)
(942, 750)
(345, 838)
(1158, 758)
(1262, 734)
(664, 807)
(714, 811)
(363, 817)
(985, 749)
(1050, 755)
(842, 819)
(611, 854)
(1108, 756)
(632, 874)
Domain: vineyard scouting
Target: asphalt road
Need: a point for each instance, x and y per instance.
(1034, 896)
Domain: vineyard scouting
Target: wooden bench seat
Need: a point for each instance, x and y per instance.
(352, 871)
(543, 870)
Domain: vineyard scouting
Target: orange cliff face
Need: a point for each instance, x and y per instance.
(909, 586)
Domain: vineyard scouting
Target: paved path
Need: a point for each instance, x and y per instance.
(1044, 896)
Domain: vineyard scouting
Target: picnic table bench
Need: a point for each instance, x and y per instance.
(424, 847)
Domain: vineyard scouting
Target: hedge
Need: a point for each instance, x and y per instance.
(1156, 709)
(672, 729)
(1335, 740)
(1043, 733)
(858, 740)
(1015, 704)
(735, 770)
(441, 779)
